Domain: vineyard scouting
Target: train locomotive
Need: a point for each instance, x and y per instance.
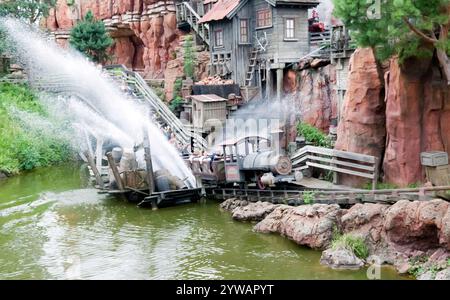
(251, 161)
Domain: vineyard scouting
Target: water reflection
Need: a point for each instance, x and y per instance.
(54, 226)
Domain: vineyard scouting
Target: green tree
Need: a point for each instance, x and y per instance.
(90, 37)
(189, 57)
(31, 10)
(406, 28)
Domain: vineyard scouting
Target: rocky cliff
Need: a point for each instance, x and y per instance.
(398, 235)
(311, 87)
(145, 33)
(395, 112)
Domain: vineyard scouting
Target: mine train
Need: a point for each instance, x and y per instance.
(251, 161)
(248, 162)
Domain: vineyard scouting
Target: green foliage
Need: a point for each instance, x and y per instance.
(30, 10)
(189, 57)
(178, 85)
(389, 32)
(308, 197)
(22, 149)
(314, 135)
(381, 186)
(176, 103)
(352, 243)
(90, 37)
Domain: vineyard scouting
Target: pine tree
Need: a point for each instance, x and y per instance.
(407, 28)
(31, 10)
(90, 37)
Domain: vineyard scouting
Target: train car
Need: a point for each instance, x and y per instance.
(250, 160)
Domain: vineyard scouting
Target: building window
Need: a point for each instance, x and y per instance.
(264, 18)
(289, 28)
(244, 31)
(218, 38)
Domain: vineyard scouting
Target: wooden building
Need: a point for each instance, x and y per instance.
(254, 41)
(208, 111)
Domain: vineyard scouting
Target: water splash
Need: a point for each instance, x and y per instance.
(89, 99)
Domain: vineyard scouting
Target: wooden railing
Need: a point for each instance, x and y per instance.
(183, 134)
(185, 13)
(337, 161)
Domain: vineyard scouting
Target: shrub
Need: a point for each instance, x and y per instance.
(314, 135)
(353, 243)
(20, 147)
(176, 103)
(189, 57)
(308, 197)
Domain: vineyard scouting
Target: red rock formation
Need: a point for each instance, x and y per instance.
(309, 225)
(312, 92)
(417, 114)
(145, 33)
(362, 125)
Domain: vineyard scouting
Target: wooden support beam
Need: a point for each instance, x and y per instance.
(148, 163)
(115, 170)
(98, 177)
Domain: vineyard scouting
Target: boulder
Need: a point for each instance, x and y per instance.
(428, 275)
(417, 225)
(443, 275)
(341, 259)
(253, 211)
(308, 225)
(230, 204)
(365, 220)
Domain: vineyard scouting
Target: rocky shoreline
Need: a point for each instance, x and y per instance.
(414, 237)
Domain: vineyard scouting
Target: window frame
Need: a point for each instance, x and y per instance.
(289, 30)
(269, 20)
(247, 41)
(216, 31)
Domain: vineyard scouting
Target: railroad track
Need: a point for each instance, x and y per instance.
(342, 197)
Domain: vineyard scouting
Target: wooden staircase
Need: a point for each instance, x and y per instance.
(186, 14)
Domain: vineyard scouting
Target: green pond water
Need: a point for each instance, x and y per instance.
(54, 225)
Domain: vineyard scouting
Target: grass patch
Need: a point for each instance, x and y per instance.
(20, 148)
(380, 186)
(353, 243)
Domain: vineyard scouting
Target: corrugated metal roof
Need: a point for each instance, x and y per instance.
(220, 10)
(224, 8)
(295, 2)
(208, 98)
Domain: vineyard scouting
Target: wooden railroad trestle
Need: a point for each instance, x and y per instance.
(301, 197)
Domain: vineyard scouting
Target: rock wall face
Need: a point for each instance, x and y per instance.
(145, 34)
(311, 89)
(362, 125)
(394, 113)
(417, 118)
(145, 31)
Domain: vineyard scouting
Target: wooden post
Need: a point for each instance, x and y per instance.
(279, 83)
(98, 177)
(99, 154)
(375, 174)
(115, 170)
(148, 163)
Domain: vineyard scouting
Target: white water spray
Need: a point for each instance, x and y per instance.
(96, 103)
